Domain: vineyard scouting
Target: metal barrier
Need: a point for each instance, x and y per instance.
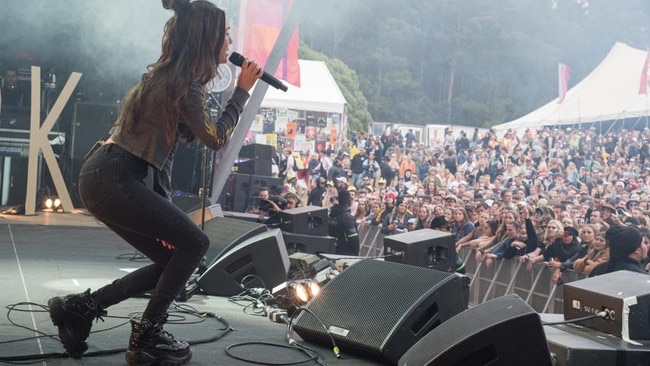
(371, 241)
(505, 276)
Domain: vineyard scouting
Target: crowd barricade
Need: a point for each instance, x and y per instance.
(371, 241)
(511, 276)
(503, 277)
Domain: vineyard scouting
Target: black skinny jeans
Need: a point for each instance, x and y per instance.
(111, 184)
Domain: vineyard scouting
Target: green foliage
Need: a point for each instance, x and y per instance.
(475, 63)
(357, 106)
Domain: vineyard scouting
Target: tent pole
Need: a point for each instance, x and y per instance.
(227, 155)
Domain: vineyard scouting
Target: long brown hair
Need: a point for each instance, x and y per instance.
(191, 44)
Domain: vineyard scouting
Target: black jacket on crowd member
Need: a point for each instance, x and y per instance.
(356, 164)
(560, 251)
(336, 170)
(625, 264)
(343, 227)
(387, 172)
(316, 195)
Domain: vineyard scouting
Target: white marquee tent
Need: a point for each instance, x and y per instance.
(318, 91)
(609, 93)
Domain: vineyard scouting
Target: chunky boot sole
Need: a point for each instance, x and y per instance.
(158, 357)
(74, 345)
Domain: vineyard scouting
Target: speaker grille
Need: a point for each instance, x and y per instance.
(225, 233)
(380, 308)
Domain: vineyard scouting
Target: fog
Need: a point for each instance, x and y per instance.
(110, 42)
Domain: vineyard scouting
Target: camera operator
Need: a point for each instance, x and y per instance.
(270, 210)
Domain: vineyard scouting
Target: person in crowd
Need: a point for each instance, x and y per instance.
(597, 254)
(356, 167)
(397, 221)
(423, 218)
(112, 188)
(486, 234)
(342, 225)
(371, 217)
(330, 192)
(439, 221)
(315, 197)
(461, 226)
(363, 209)
(336, 170)
(553, 235)
(513, 233)
(626, 251)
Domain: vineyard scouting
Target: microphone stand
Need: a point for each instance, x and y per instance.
(204, 163)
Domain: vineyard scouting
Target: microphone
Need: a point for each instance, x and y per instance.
(238, 60)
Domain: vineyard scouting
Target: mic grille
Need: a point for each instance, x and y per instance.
(236, 59)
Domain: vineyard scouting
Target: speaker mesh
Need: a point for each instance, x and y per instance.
(225, 233)
(381, 308)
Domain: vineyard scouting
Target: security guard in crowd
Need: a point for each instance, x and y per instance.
(342, 225)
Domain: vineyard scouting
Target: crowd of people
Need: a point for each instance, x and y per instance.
(573, 199)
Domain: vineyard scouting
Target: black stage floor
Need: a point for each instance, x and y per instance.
(48, 254)
(40, 261)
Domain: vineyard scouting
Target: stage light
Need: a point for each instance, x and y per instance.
(300, 293)
(304, 290)
(53, 204)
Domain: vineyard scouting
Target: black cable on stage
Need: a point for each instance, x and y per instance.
(34, 358)
(310, 357)
(335, 348)
(602, 314)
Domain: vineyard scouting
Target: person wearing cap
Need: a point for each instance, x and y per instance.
(564, 248)
(626, 251)
(389, 198)
(336, 170)
(451, 201)
(330, 194)
(342, 226)
(607, 213)
(354, 204)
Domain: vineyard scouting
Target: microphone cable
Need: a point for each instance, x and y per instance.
(335, 348)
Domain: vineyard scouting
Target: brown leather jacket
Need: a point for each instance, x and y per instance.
(150, 142)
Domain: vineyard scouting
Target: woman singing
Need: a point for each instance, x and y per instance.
(165, 108)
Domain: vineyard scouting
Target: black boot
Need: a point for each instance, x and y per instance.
(74, 315)
(150, 344)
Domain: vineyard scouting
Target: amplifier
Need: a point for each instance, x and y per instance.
(309, 220)
(624, 296)
(423, 248)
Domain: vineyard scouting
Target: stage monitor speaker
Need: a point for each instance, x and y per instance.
(423, 248)
(500, 332)
(256, 151)
(301, 243)
(225, 233)
(91, 122)
(274, 184)
(13, 184)
(237, 192)
(188, 203)
(254, 166)
(260, 261)
(308, 220)
(623, 295)
(380, 309)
